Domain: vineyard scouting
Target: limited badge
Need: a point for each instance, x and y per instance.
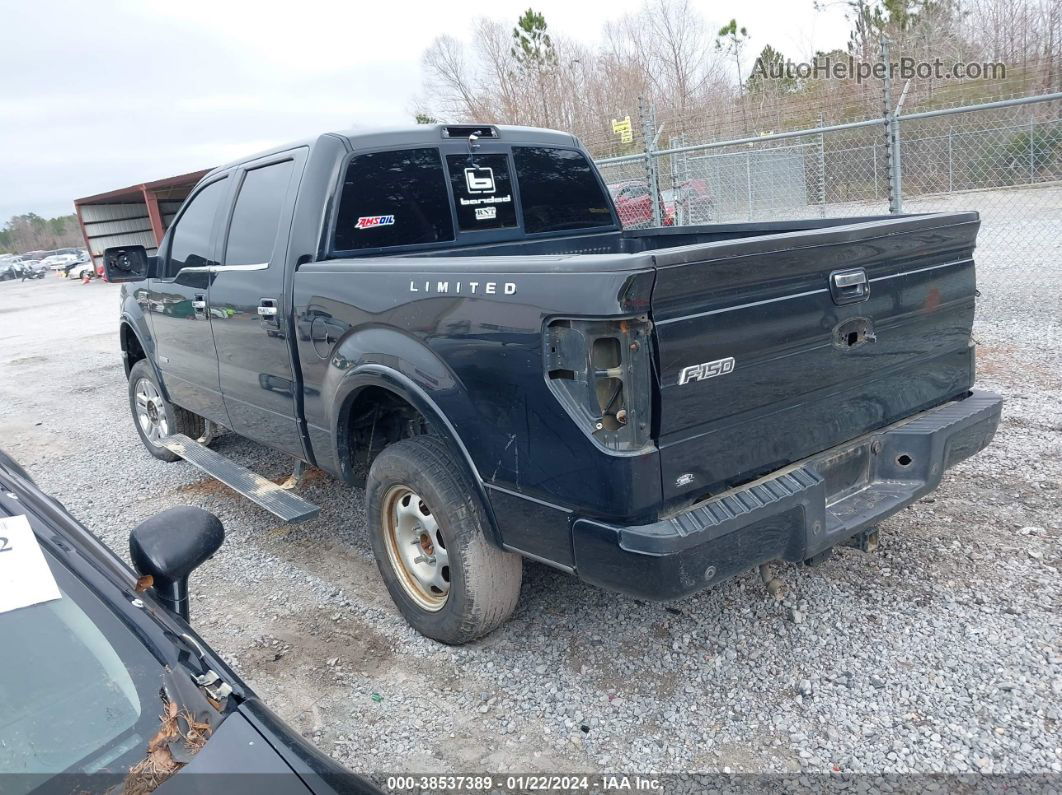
(371, 221)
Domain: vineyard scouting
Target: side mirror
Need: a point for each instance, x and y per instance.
(126, 263)
(171, 545)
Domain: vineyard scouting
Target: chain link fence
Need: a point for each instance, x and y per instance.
(1003, 159)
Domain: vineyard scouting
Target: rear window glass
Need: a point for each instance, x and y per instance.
(558, 190)
(482, 191)
(394, 198)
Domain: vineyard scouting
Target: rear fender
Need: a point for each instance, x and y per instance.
(412, 372)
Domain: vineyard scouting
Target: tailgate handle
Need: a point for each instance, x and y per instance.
(849, 286)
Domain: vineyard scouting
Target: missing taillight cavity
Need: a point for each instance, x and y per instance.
(610, 400)
(599, 370)
(606, 353)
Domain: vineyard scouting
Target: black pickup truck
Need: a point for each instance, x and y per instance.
(457, 309)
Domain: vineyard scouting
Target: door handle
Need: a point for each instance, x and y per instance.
(199, 303)
(267, 315)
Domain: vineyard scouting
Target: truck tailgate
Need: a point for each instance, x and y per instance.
(768, 352)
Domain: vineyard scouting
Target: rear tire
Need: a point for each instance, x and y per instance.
(155, 417)
(429, 534)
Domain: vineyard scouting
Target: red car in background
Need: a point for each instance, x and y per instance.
(635, 206)
(689, 203)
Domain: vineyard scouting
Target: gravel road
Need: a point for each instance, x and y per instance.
(940, 652)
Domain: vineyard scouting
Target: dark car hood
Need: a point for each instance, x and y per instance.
(236, 760)
(249, 749)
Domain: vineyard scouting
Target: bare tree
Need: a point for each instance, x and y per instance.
(447, 77)
(664, 53)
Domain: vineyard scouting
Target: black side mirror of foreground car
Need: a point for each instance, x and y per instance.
(171, 545)
(126, 263)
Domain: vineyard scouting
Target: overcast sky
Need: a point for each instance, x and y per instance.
(101, 94)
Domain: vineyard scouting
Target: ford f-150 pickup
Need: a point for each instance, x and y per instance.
(456, 311)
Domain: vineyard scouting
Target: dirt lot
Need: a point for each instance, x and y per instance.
(941, 652)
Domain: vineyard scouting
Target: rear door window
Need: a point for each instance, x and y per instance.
(395, 198)
(255, 219)
(559, 190)
(483, 191)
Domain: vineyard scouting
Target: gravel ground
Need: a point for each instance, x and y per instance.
(939, 653)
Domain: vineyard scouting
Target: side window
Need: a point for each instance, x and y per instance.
(190, 245)
(559, 190)
(394, 198)
(253, 230)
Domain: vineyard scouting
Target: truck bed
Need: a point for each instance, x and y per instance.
(759, 294)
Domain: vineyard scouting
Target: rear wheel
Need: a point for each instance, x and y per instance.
(428, 531)
(155, 417)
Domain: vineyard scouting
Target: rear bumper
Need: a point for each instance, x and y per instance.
(792, 514)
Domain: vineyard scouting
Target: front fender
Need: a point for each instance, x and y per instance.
(134, 322)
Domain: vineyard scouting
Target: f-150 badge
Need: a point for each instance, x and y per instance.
(698, 372)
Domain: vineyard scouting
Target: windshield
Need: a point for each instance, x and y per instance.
(79, 693)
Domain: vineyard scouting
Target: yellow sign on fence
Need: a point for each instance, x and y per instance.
(622, 128)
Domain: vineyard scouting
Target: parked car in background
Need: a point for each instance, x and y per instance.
(80, 269)
(634, 205)
(32, 269)
(689, 203)
(58, 262)
(105, 686)
(10, 268)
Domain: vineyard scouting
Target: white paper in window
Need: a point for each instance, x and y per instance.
(25, 578)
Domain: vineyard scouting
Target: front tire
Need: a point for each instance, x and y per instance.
(429, 534)
(155, 417)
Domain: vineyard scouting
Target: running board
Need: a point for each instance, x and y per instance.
(277, 500)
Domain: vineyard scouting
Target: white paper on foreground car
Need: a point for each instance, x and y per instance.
(25, 578)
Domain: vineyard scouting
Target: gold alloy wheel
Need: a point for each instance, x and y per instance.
(416, 548)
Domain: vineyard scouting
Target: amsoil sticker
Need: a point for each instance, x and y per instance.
(25, 578)
(370, 221)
